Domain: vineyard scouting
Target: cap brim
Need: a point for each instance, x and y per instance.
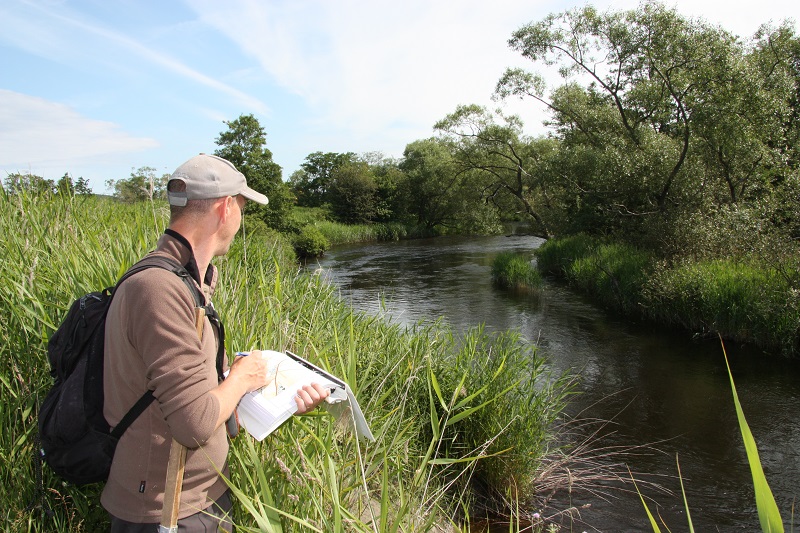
(254, 196)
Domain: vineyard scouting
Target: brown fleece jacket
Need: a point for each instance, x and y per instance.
(151, 343)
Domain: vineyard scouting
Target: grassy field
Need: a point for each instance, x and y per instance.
(449, 414)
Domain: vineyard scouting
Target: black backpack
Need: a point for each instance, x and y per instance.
(76, 440)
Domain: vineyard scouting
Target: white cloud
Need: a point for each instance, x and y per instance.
(367, 66)
(40, 135)
(380, 71)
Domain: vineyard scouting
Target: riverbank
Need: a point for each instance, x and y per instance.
(741, 299)
(450, 413)
(312, 231)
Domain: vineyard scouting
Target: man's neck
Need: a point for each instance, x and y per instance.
(202, 248)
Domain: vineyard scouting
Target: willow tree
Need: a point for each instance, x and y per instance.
(635, 81)
(508, 169)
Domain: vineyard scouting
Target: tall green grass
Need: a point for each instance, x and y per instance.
(450, 413)
(338, 233)
(613, 273)
(514, 271)
(742, 299)
(739, 300)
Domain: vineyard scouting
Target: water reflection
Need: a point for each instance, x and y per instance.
(656, 385)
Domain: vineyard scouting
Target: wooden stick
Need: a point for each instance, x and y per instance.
(177, 462)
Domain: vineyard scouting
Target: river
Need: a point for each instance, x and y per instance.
(656, 386)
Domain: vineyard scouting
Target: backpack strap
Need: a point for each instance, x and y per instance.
(134, 412)
(169, 263)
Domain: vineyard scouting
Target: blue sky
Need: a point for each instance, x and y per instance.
(97, 88)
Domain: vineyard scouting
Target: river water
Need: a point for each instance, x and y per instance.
(656, 386)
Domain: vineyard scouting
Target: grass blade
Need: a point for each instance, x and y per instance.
(768, 514)
(683, 491)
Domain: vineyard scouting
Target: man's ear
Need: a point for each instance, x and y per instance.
(223, 209)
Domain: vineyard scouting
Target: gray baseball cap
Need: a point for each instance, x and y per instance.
(208, 176)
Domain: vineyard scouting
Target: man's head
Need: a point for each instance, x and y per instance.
(207, 177)
(206, 196)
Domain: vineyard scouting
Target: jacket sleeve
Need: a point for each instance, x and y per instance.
(180, 367)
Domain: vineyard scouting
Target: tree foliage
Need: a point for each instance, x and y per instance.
(67, 186)
(142, 185)
(311, 184)
(431, 184)
(353, 193)
(504, 164)
(244, 145)
(660, 115)
(17, 182)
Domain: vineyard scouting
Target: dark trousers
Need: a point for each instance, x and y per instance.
(213, 519)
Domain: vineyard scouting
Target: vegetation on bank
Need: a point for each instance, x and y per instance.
(739, 299)
(450, 414)
(313, 230)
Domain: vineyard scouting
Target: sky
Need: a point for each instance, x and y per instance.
(99, 88)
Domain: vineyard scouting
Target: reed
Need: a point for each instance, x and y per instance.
(338, 233)
(613, 273)
(514, 271)
(449, 413)
(769, 515)
(740, 300)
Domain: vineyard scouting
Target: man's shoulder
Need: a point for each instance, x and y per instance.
(154, 284)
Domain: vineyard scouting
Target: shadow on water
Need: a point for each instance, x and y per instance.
(655, 385)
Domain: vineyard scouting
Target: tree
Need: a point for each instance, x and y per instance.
(244, 145)
(142, 185)
(66, 185)
(436, 194)
(18, 182)
(503, 162)
(311, 184)
(353, 193)
(82, 187)
(660, 114)
(390, 181)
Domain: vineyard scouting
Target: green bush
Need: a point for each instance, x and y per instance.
(310, 242)
(513, 271)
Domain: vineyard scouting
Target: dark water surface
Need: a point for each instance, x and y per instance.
(656, 385)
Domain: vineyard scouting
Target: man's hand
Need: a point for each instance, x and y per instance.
(309, 397)
(251, 371)
(247, 374)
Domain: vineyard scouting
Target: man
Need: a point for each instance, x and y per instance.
(152, 343)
